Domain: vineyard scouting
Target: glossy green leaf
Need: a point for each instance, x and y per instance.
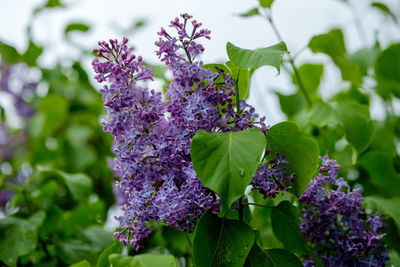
(266, 3)
(381, 171)
(359, 129)
(252, 59)
(387, 71)
(226, 162)
(301, 152)
(389, 207)
(385, 10)
(143, 260)
(286, 226)
(311, 75)
(77, 26)
(250, 13)
(332, 44)
(112, 249)
(221, 242)
(18, 237)
(272, 258)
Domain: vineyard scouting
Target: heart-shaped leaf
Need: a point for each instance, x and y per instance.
(226, 162)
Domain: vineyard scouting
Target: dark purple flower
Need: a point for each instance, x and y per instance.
(335, 224)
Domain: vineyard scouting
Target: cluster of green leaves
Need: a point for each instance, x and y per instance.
(57, 216)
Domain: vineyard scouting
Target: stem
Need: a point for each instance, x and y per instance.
(241, 209)
(259, 205)
(237, 93)
(358, 24)
(187, 53)
(291, 61)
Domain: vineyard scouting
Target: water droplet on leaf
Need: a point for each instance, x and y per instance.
(242, 172)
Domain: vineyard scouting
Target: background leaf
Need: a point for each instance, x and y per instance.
(332, 44)
(18, 237)
(143, 260)
(267, 56)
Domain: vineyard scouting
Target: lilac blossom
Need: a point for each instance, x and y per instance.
(340, 231)
(152, 137)
(270, 179)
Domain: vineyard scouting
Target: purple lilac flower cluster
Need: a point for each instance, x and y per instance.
(152, 137)
(270, 179)
(340, 231)
(16, 83)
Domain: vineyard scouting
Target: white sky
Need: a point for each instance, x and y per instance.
(298, 21)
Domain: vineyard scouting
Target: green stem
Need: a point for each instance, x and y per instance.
(241, 209)
(291, 61)
(187, 53)
(259, 205)
(358, 24)
(237, 93)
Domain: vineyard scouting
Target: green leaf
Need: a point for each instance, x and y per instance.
(311, 75)
(291, 104)
(83, 263)
(387, 71)
(359, 129)
(221, 242)
(226, 162)
(385, 10)
(18, 237)
(365, 58)
(389, 207)
(252, 59)
(103, 259)
(242, 76)
(54, 109)
(332, 44)
(394, 258)
(77, 26)
(301, 152)
(250, 13)
(79, 184)
(272, 258)
(266, 3)
(286, 227)
(323, 114)
(381, 171)
(8, 53)
(143, 260)
(32, 53)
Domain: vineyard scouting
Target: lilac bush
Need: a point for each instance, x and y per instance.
(340, 231)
